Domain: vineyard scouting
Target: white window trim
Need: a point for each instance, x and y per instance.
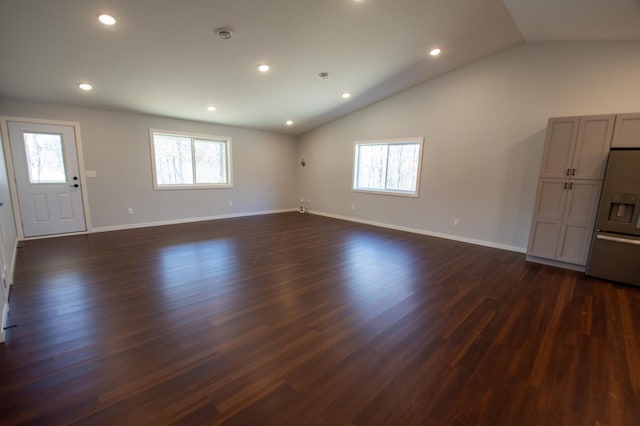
(420, 141)
(225, 139)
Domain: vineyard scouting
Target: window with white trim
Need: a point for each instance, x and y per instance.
(183, 161)
(388, 166)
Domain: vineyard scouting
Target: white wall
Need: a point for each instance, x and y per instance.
(116, 145)
(484, 126)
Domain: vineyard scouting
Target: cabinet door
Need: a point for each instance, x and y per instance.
(592, 147)
(559, 147)
(627, 131)
(573, 246)
(543, 238)
(578, 221)
(550, 199)
(547, 217)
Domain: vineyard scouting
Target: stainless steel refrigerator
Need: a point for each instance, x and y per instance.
(615, 251)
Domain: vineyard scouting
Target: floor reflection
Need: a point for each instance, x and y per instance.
(66, 296)
(194, 267)
(377, 267)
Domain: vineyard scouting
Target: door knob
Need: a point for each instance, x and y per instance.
(75, 185)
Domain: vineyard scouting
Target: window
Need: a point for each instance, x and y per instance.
(44, 158)
(190, 161)
(388, 167)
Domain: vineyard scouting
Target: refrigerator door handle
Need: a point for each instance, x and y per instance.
(618, 240)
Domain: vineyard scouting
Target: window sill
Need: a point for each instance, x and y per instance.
(393, 193)
(181, 187)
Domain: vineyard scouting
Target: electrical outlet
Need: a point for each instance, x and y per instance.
(456, 222)
(230, 203)
(353, 206)
(130, 210)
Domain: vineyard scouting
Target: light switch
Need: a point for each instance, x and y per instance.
(90, 173)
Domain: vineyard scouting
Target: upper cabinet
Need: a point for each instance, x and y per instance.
(577, 147)
(592, 147)
(627, 133)
(559, 147)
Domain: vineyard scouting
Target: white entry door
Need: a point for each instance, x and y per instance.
(45, 162)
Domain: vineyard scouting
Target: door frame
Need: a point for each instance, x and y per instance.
(4, 127)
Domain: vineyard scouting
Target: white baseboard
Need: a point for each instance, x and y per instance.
(5, 315)
(425, 232)
(12, 266)
(189, 220)
(334, 216)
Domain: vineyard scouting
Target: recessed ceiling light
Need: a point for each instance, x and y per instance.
(289, 123)
(346, 95)
(107, 19)
(263, 67)
(85, 86)
(435, 52)
(211, 108)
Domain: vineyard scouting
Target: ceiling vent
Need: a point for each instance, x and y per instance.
(224, 34)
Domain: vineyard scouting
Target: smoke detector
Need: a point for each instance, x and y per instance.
(224, 34)
(323, 75)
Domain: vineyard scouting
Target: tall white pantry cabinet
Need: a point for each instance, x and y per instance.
(571, 175)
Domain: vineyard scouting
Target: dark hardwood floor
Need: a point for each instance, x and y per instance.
(294, 319)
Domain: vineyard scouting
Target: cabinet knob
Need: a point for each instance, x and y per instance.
(568, 172)
(573, 172)
(565, 185)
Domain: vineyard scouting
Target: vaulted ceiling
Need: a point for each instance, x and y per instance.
(163, 57)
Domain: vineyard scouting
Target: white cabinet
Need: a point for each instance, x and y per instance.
(547, 217)
(592, 147)
(577, 147)
(573, 166)
(578, 221)
(563, 219)
(627, 132)
(559, 144)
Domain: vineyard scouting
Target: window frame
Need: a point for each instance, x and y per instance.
(400, 141)
(191, 136)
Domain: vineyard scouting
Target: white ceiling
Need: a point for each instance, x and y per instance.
(554, 20)
(162, 57)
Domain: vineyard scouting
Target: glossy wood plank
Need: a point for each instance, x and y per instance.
(301, 319)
